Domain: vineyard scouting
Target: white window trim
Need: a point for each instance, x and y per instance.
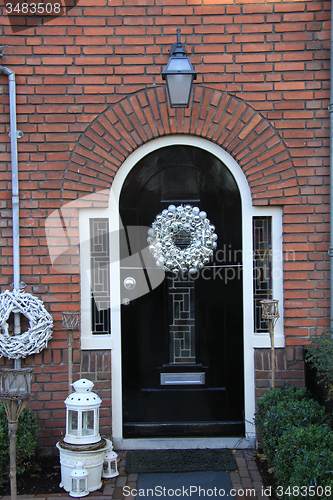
(89, 341)
(262, 339)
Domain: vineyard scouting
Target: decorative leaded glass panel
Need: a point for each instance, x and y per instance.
(100, 279)
(182, 325)
(262, 268)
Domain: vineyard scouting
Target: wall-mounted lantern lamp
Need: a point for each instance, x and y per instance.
(179, 75)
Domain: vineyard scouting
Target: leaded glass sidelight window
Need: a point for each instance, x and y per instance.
(262, 268)
(100, 279)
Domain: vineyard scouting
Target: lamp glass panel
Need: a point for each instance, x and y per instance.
(270, 309)
(15, 383)
(82, 484)
(179, 88)
(72, 422)
(179, 64)
(88, 423)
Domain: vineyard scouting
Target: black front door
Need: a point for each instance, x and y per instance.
(182, 338)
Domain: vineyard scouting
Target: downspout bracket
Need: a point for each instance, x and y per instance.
(19, 134)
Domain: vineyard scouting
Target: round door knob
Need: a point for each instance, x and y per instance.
(129, 283)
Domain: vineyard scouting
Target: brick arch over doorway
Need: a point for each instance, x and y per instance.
(219, 117)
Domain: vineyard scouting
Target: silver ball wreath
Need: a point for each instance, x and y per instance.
(40, 324)
(179, 222)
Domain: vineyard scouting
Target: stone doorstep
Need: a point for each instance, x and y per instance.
(245, 477)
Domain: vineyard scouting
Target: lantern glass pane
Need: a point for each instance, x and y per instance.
(72, 422)
(179, 64)
(16, 382)
(179, 88)
(82, 484)
(12, 383)
(88, 423)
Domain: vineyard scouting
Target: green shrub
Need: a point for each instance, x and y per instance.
(296, 442)
(319, 354)
(313, 471)
(26, 440)
(271, 399)
(287, 413)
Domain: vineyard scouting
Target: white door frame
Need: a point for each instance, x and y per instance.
(248, 321)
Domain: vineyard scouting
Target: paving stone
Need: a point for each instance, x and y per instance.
(121, 481)
(52, 496)
(234, 476)
(258, 486)
(121, 470)
(108, 489)
(241, 462)
(255, 475)
(237, 487)
(246, 482)
(118, 493)
(243, 472)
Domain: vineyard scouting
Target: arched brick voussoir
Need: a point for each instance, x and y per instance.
(214, 115)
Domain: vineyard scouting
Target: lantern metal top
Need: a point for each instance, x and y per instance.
(15, 384)
(83, 397)
(269, 309)
(70, 320)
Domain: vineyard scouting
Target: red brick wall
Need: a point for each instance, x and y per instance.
(89, 90)
(289, 368)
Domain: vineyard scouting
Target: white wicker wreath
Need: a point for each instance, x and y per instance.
(40, 322)
(185, 224)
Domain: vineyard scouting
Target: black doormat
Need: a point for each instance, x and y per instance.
(145, 461)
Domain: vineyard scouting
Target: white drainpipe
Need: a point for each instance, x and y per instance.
(14, 134)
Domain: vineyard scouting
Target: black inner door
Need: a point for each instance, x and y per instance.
(182, 341)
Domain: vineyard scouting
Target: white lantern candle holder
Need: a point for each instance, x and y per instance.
(82, 414)
(79, 481)
(110, 468)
